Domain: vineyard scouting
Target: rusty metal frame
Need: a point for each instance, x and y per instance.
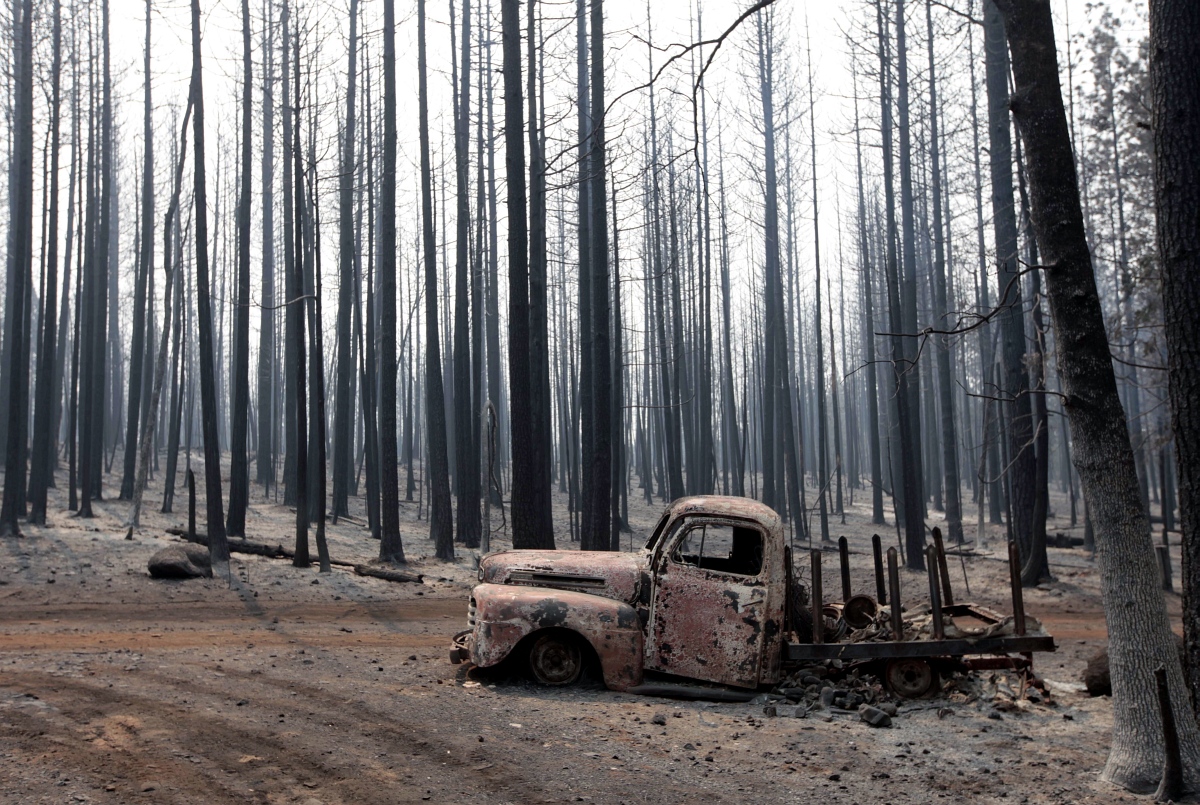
(799, 652)
(507, 614)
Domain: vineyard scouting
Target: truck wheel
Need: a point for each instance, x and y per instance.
(909, 678)
(556, 659)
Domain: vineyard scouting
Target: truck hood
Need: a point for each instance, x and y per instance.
(620, 576)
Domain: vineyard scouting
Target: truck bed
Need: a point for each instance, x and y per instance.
(888, 649)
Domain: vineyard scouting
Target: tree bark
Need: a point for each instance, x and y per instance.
(239, 473)
(914, 509)
(1014, 385)
(43, 442)
(296, 308)
(441, 518)
(391, 547)
(143, 281)
(212, 456)
(539, 345)
(265, 454)
(465, 434)
(601, 353)
(524, 533)
(953, 503)
(1139, 631)
(1175, 98)
(343, 424)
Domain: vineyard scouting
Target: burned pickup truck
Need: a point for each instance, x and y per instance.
(711, 598)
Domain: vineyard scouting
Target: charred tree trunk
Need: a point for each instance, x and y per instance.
(914, 506)
(289, 257)
(465, 414)
(541, 521)
(525, 534)
(43, 465)
(601, 353)
(441, 517)
(953, 502)
(239, 472)
(295, 311)
(1139, 631)
(1175, 96)
(212, 456)
(391, 547)
(265, 455)
(1014, 386)
(144, 279)
(343, 423)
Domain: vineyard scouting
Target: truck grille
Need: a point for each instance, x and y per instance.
(561, 581)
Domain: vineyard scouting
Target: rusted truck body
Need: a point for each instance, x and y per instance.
(705, 599)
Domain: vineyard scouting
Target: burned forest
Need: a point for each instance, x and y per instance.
(516, 401)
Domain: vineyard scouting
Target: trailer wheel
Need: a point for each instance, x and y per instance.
(909, 678)
(555, 658)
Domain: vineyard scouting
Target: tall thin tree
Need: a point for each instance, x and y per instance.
(343, 425)
(239, 472)
(441, 517)
(465, 432)
(391, 546)
(217, 545)
(43, 466)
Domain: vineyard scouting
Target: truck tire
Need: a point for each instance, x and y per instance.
(556, 658)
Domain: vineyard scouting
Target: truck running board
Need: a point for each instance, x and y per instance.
(673, 691)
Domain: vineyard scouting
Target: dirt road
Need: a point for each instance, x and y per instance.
(287, 686)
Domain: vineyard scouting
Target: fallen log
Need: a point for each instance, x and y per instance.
(240, 545)
(389, 574)
(281, 552)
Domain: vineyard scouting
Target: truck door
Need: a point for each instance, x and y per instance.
(709, 602)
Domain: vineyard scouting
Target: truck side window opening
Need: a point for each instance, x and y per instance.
(721, 547)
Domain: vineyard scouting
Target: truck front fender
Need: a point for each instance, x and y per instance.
(507, 614)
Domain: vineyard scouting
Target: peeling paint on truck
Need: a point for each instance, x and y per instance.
(713, 614)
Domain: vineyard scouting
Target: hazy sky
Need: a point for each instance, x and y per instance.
(828, 25)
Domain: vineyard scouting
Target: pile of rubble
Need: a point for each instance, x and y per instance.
(830, 686)
(918, 623)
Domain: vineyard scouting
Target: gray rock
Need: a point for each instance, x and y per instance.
(660, 719)
(1096, 677)
(197, 554)
(826, 699)
(180, 562)
(874, 716)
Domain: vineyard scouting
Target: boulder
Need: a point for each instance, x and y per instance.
(180, 562)
(1096, 677)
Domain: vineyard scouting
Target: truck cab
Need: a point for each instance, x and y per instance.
(703, 599)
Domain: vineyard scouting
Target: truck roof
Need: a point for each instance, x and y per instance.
(731, 506)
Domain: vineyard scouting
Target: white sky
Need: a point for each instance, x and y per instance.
(626, 60)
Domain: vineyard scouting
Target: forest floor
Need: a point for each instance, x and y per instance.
(289, 686)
